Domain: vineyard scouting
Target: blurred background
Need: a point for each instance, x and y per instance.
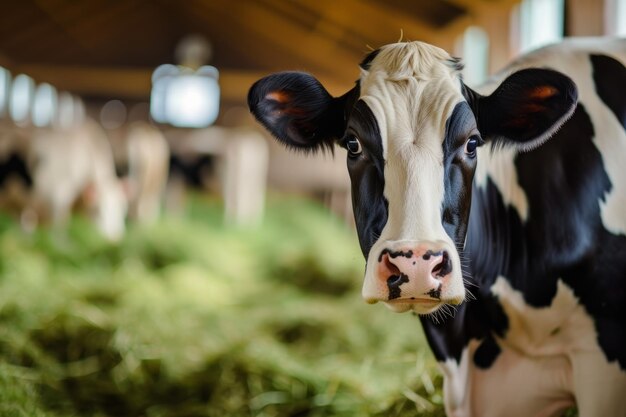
(160, 255)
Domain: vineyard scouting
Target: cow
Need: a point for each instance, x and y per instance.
(45, 172)
(497, 214)
(141, 155)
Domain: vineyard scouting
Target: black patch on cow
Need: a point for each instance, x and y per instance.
(426, 256)
(367, 177)
(122, 169)
(609, 77)
(367, 61)
(475, 320)
(194, 170)
(435, 293)
(395, 254)
(393, 285)
(14, 166)
(486, 353)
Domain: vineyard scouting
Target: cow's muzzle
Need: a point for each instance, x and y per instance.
(414, 276)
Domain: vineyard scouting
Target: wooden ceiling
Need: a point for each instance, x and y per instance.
(108, 48)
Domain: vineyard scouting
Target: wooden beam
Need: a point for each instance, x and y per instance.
(5, 61)
(317, 54)
(95, 81)
(359, 16)
(477, 6)
(234, 44)
(135, 83)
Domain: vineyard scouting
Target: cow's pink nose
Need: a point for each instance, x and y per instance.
(422, 269)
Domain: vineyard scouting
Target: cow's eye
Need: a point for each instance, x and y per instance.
(471, 145)
(353, 146)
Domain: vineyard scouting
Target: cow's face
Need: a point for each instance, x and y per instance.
(411, 129)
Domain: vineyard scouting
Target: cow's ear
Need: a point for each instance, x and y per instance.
(297, 110)
(526, 109)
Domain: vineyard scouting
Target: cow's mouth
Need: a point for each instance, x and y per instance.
(413, 300)
(417, 305)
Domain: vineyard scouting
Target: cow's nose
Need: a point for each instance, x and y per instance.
(442, 263)
(414, 273)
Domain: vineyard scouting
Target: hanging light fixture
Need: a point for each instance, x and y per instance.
(186, 95)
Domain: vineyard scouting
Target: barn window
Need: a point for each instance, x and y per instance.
(541, 22)
(615, 17)
(5, 82)
(21, 101)
(45, 105)
(473, 47)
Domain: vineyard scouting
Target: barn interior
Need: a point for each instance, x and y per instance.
(233, 288)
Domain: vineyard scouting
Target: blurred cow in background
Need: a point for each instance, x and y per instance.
(44, 173)
(142, 157)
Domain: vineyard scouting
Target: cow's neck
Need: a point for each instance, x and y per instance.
(493, 237)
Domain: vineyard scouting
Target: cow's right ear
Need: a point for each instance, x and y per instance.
(297, 110)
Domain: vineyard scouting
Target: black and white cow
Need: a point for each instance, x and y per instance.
(530, 228)
(44, 173)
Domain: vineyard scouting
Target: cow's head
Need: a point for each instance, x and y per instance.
(411, 129)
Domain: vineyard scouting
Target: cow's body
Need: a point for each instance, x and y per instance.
(544, 246)
(51, 170)
(547, 244)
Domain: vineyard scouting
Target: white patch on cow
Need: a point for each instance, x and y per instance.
(411, 88)
(498, 165)
(544, 330)
(610, 139)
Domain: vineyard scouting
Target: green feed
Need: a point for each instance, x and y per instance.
(193, 318)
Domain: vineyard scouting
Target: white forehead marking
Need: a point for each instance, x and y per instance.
(411, 88)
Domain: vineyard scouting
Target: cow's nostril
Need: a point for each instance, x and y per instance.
(444, 267)
(393, 284)
(397, 280)
(391, 268)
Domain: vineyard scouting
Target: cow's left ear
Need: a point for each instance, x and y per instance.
(526, 109)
